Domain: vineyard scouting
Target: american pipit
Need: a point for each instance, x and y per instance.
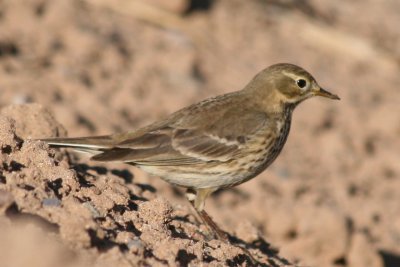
(217, 143)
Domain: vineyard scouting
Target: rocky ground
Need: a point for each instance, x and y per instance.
(101, 66)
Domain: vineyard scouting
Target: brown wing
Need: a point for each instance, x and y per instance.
(212, 130)
(184, 142)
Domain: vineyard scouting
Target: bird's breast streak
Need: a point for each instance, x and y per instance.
(221, 175)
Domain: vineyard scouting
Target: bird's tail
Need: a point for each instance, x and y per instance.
(92, 145)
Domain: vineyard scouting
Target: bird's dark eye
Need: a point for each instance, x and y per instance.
(301, 83)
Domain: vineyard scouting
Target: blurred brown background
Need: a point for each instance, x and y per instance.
(332, 198)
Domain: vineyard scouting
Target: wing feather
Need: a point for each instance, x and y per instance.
(212, 130)
(171, 145)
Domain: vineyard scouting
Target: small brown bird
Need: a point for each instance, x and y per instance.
(217, 143)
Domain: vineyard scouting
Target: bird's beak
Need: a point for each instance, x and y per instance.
(324, 93)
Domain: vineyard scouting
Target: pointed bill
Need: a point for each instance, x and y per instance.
(324, 93)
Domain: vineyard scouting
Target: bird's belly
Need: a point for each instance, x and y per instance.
(218, 176)
(252, 161)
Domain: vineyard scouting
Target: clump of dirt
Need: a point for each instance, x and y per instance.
(100, 217)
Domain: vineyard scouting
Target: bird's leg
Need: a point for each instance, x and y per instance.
(197, 199)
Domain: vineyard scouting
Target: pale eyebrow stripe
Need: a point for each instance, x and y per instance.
(294, 77)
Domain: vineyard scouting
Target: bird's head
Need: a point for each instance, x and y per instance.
(289, 83)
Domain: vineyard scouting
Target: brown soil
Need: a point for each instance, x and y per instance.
(101, 66)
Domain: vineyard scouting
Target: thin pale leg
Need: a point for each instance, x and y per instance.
(197, 199)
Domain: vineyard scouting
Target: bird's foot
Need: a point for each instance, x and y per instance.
(217, 233)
